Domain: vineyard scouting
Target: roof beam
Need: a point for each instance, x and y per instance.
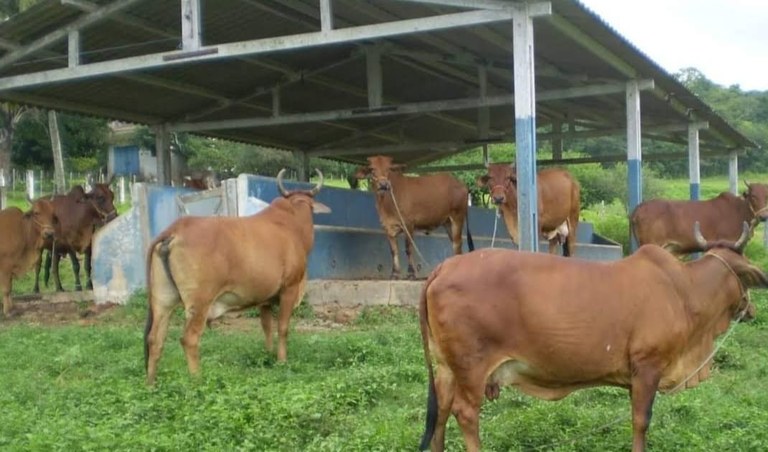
(56, 36)
(402, 109)
(474, 4)
(251, 47)
(66, 105)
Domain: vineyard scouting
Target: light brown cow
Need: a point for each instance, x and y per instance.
(410, 203)
(551, 325)
(23, 234)
(669, 224)
(559, 203)
(218, 264)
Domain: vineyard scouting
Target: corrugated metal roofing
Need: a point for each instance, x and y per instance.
(416, 68)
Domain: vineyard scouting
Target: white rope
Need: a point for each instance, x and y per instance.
(405, 228)
(495, 224)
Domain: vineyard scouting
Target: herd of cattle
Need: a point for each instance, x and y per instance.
(490, 318)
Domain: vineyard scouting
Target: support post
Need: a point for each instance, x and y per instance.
(121, 189)
(302, 160)
(163, 152)
(525, 121)
(733, 173)
(634, 150)
(483, 113)
(31, 184)
(276, 102)
(374, 76)
(694, 165)
(326, 15)
(3, 188)
(557, 140)
(191, 25)
(59, 185)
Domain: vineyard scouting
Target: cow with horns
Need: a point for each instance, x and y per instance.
(409, 203)
(669, 224)
(79, 215)
(23, 236)
(645, 323)
(213, 265)
(559, 203)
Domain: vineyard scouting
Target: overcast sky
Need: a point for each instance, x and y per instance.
(727, 40)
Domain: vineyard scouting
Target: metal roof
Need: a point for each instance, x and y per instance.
(430, 81)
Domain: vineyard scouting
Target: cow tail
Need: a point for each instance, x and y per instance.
(161, 246)
(431, 420)
(470, 242)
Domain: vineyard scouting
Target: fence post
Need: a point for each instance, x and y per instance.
(31, 184)
(121, 185)
(3, 191)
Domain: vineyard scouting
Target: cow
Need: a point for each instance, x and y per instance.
(559, 203)
(551, 325)
(23, 236)
(409, 203)
(79, 214)
(669, 223)
(217, 264)
(201, 180)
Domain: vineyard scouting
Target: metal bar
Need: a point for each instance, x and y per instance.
(191, 25)
(73, 48)
(374, 76)
(634, 149)
(257, 46)
(61, 33)
(326, 15)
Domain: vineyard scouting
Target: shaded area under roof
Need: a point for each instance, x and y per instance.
(323, 89)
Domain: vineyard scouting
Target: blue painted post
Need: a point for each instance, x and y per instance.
(694, 166)
(634, 149)
(525, 121)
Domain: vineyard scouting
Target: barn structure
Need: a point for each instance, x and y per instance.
(345, 79)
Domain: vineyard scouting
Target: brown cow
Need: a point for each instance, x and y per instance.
(23, 234)
(551, 325)
(409, 203)
(201, 180)
(669, 224)
(559, 203)
(217, 264)
(79, 214)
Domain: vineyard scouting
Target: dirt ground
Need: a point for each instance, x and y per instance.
(84, 313)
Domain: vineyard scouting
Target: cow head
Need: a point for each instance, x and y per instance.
(756, 195)
(380, 167)
(501, 181)
(42, 214)
(737, 246)
(102, 199)
(304, 195)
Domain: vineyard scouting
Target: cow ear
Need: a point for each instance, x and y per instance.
(482, 181)
(318, 207)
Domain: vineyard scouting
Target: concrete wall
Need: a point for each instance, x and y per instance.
(349, 242)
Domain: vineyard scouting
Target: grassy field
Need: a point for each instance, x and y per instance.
(361, 387)
(79, 385)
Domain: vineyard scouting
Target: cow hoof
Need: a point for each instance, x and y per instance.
(89, 286)
(411, 276)
(79, 288)
(394, 276)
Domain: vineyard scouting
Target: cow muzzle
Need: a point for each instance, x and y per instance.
(498, 199)
(47, 232)
(383, 185)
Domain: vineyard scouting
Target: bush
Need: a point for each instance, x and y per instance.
(610, 221)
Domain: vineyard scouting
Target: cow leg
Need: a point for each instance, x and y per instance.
(7, 284)
(393, 249)
(55, 271)
(265, 315)
(289, 298)
(409, 253)
(76, 270)
(445, 387)
(644, 385)
(466, 408)
(197, 313)
(156, 338)
(88, 268)
(38, 264)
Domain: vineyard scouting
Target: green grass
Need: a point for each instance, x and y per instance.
(363, 388)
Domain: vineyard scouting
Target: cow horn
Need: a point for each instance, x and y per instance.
(280, 186)
(746, 183)
(29, 200)
(743, 238)
(697, 235)
(319, 185)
